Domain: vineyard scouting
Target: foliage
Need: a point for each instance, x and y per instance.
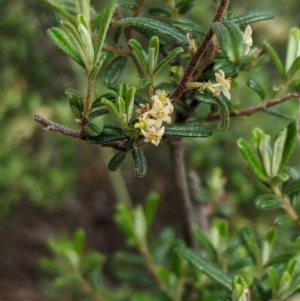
(219, 262)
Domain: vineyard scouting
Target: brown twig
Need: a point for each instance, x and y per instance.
(253, 110)
(198, 54)
(79, 134)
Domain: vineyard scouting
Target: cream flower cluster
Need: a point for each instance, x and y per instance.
(151, 119)
(222, 85)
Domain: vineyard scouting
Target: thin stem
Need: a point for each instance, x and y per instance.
(117, 50)
(253, 110)
(199, 53)
(181, 187)
(87, 99)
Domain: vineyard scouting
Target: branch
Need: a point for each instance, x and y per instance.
(198, 54)
(253, 110)
(79, 134)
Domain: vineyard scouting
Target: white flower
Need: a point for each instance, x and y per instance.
(160, 111)
(247, 39)
(223, 84)
(153, 135)
(145, 124)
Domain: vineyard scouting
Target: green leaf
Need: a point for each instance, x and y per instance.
(293, 48)
(283, 220)
(253, 16)
(204, 242)
(88, 45)
(92, 129)
(105, 139)
(278, 150)
(159, 12)
(251, 160)
(62, 11)
(173, 53)
(77, 42)
(205, 266)
(187, 130)
(140, 162)
(297, 127)
(257, 134)
(188, 26)
(114, 71)
(265, 152)
(275, 58)
(140, 224)
(98, 102)
(76, 102)
(254, 85)
(239, 264)
(273, 279)
(139, 55)
(155, 26)
(278, 179)
(150, 207)
(294, 70)
(224, 112)
(62, 41)
(290, 141)
(96, 68)
(97, 113)
(267, 201)
(251, 244)
(230, 40)
(123, 218)
(114, 111)
(184, 6)
(129, 101)
(282, 258)
(103, 21)
(145, 83)
(116, 161)
(291, 187)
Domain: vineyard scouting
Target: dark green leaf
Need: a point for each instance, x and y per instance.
(97, 113)
(205, 266)
(230, 40)
(282, 258)
(278, 179)
(251, 244)
(116, 161)
(187, 130)
(98, 102)
(145, 83)
(112, 129)
(62, 41)
(273, 279)
(184, 6)
(155, 26)
(253, 164)
(228, 68)
(291, 187)
(76, 102)
(138, 99)
(114, 70)
(289, 144)
(294, 70)
(267, 201)
(253, 16)
(103, 21)
(159, 12)
(275, 58)
(224, 112)
(92, 130)
(188, 26)
(140, 162)
(168, 58)
(118, 35)
(239, 263)
(255, 86)
(105, 139)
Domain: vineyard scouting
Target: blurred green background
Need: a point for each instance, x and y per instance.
(50, 183)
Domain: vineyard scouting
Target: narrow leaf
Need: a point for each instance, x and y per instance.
(230, 40)
(104, 139)
(92, 129)
(139, 55)
(155, 26)
(253, 16)
(251, 243)
(273, 279)
(251, 160)
(159, 12)
(114, 71)
(293, 48)
(63, 42)
(116, 161)
(184, 6)
(298, 124)
(76, 102)
(97, 113)
(275, 58)
(204, 242)
(188, 26)
(265, 152)
(187, 130)
(205, 266)
(62, 11)
(154, 44)
(224, 112)
(103, 21)
(129, 101)
(168, 58)
(267, 201)
(114, 111)
(254, 85)
(150, 207)
(278, 151)
(140, 163)
(283, 220)
(289, 144)
(294, 69)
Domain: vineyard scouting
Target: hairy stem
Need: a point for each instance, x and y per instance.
(199, 53)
